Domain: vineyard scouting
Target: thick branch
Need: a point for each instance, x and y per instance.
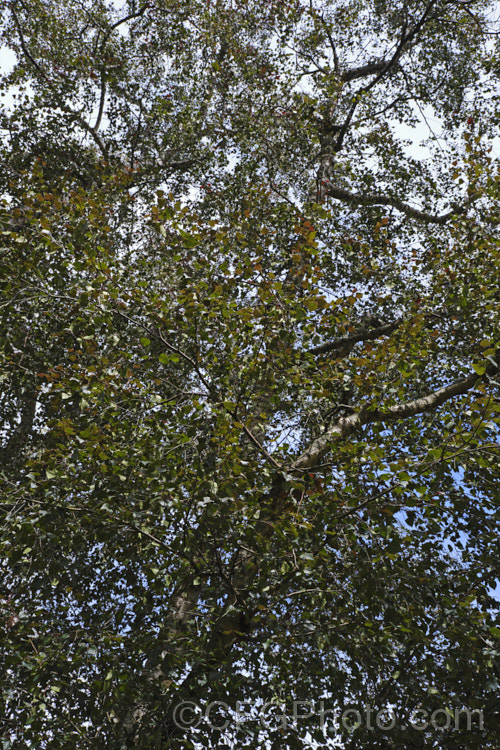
(102, 101)
(380, 69)
(380, 199)
(344, 345)
(406, 38)
(425, 403)
(347, 425)
(363, 70)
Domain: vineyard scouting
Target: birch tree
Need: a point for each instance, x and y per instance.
(249, 367)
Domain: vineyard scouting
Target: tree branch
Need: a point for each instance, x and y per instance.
(363, 70)
(346, 425)
(129, 17)
(88, 128)
(380, 199)
(102, 100)
(336, 61)
(345, 344)
(382, 70)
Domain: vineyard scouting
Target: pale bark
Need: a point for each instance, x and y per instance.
(381, 199)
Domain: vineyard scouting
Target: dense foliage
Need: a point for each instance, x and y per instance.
(249, 370)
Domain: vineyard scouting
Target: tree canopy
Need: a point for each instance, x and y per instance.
(249, 374)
